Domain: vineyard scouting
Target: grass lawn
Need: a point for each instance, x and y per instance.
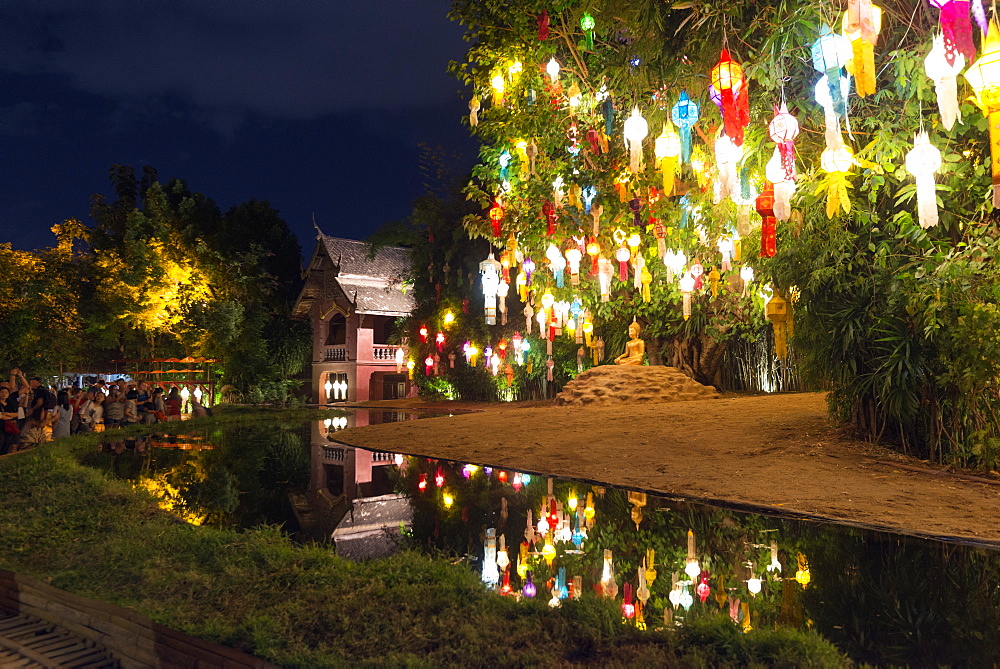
(301, 606)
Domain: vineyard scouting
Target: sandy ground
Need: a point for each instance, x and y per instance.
(771, 453)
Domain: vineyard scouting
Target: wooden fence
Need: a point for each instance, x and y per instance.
(133, 639)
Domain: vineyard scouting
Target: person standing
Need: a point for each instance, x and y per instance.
(173, 404)
(64, 414)
(9, 431)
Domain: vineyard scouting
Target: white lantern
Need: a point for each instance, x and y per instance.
(837, 159)
(753, 585)
(923, 161)
(824, 100)
(944, 76)
(552, 68)
(636, 129)
(727, 155)
(686, 286)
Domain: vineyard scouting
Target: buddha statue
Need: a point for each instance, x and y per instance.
(635, 348)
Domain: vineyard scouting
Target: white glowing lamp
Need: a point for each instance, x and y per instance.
(784, 188)
(548, 300)
(727, 155)
(185, 393)
(400, 359)
(498, 88)
(838, 159)
(328, 386)
(686, 286)
(197, 394)
(636, 129)
(543, 524)
(775, 565)
(552, 68)
(746, 273)
(753, 585)
(944, 75)
(923, 161)
(573, 258)
(783, 127)
(503, 560)
(686, 600)
(692, 568)
(674, 262)
(491, 575)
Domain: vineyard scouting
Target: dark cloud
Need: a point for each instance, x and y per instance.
(293, 59)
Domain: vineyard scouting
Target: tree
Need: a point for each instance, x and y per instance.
(899, 320)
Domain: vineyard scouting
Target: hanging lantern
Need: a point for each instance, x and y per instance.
(503, 560)
(802, 575)
(691, 567)
(836, 162)
(587, 23)
(400, 359)
(768, 223)
(944, 74)
(573, 258)
(529, 589)
(822, 95)
(703, 589)
(622, 255)
(543, 25)
(784, 188)
(746, 276)
(666, 149)
(496, 215)
(645, 279)
(423, 332)
(753, 584)
(726, 249)
(713, 280)
(491, 573)
(628, 608)
(778, 313)
(829, 54)
(490, 270)
(552, 69)
(474, 111)
(674, 262)
(686, 286)
(861, 25)
(783, 129)
(984, 77)
(498, 84)
(727, 155)
(775, 566)
(685, 115)
(439, 340)
(957, 29)
(731, 86)
(636, 129)
(923, 161)
(608, 584)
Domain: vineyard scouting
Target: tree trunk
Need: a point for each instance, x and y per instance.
(699, 357)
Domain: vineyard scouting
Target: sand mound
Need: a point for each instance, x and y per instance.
(612, 384)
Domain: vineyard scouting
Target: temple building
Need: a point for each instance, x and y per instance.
(353, 301)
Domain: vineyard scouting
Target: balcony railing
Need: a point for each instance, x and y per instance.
(336, 454)
(382, 456)
(384, 353)
(338, 354)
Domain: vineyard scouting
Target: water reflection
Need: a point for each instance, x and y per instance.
(881, 597)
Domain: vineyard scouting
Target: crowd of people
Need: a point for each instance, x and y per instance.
(27, 405)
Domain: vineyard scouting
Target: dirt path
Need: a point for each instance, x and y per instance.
(778, 452)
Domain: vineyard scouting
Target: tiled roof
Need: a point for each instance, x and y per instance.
(391, 262)
(377, 299)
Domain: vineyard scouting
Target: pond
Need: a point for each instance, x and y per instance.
(883, 598)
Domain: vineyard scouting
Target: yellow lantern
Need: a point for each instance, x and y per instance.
(836, 162)
(666, 149)
(802, 575)
(984, 77)
(498, 88)
(862, 63)
(779, 314)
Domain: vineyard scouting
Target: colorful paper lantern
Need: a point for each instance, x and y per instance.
(836, 162)
(923, 161)
(728, 81)
(691, 567)
(944, 75)
(636, 129)
(685, 114)
(861, 25)
(686, 286)
(783, 129)
(490, 269)
(768, 222)
(779, 313)
(666, 149)
(829, 54)
(984, 77)
(727, 155)
(587, 23)
(956, 28)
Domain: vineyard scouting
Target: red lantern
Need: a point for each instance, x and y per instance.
(550, 216)
(593, 250)
(543, 25)
(731, 86)
(768, 226)
(439, 339)
(423, 333)
(502, 477)
(703, 590)
(628, 608)
(439, 478)
(429, 366)
(496, 215)
(422, 484)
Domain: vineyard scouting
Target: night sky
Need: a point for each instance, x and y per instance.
(314, 105)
